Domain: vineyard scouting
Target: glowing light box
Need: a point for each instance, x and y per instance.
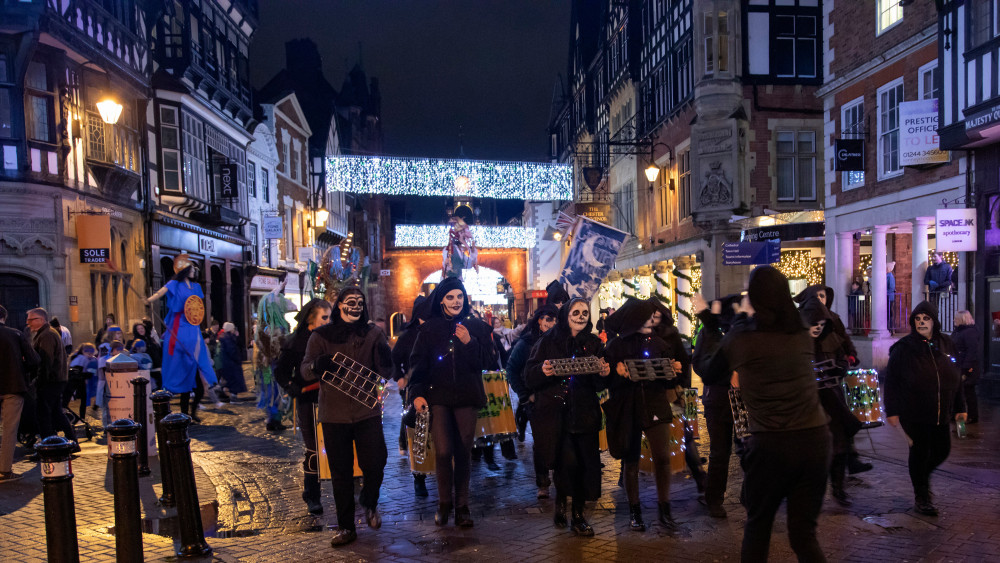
(490, 179)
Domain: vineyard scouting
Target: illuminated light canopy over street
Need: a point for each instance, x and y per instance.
(489, 179)
(423, 236)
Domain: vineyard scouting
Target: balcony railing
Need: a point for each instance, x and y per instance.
(859, 312)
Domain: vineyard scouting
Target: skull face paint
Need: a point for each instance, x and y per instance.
(453, 303)
(924, 324)
(817, 329)
(651, 322)
(351, 308)
(545, 323)
(579, 316)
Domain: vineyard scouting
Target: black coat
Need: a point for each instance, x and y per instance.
(634, 406)
(922, 381)
(516, 363)
(286, 369)
(562, 404)
(401, 352)
(17, 359)
(967, 352)
(447, 372)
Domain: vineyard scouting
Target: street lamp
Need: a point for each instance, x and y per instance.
(652, 172)
(110, 111)
(321, 216)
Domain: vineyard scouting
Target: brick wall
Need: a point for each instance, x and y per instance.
(854, 41)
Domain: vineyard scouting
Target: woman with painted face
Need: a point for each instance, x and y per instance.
(313, 315)
(451, 351)
(923, 394)
(348, 423)
(788, 452)
(540, 323)
(828, 351)
(637, 407)
(567, 417)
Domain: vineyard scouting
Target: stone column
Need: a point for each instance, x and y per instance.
(844, 272)
(683, 266)
(708, 268)
(880, 301)
(920, 226)
(628, 277)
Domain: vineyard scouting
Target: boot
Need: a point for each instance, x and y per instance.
(635, 521)
(838, 494)
(559, 514)
(420, 485)
(579, 524)
(665, 518)
(194, 414)
(508, 450)
(855, 465)
(442, 514)
(463, 518)
(489, 459)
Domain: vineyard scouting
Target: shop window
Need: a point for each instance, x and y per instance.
(796, 165)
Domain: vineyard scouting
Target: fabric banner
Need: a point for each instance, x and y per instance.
(592, 256)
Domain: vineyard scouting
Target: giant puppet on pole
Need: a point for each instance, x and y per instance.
(185, 355)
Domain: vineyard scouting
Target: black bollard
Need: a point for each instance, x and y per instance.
(140, 415)
(60, 510)
(128, 518)
(192, 533)
(161, 408)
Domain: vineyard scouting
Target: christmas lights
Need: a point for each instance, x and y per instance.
(436, 236)
(442, 177)
(481, 285)
(799, 264)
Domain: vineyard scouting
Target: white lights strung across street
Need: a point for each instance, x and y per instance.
(436, 236)
(490, 179)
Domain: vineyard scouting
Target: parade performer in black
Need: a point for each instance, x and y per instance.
(828, 354)
(715, 398)
(567, 417)
(313, 315)
(923, 388)
(451, 351)
(347, 423)
(543, 319)
(788, 452)
(401, 368)
(637, 407)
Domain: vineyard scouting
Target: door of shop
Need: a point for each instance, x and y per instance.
(18, 294)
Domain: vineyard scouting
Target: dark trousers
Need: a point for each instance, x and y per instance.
(199, 393)
(785, 465)
(931, 446)
(340, 441)
(658, 436)
(50, 414)
(578, 468)
(77, 387)
(971, 401)
(454, 429)
(719, 422)
(310, 464)
(403, 444)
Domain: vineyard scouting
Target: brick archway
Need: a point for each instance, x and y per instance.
(409, 268)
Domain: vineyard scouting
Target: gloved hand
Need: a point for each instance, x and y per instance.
(853, 361)
(323, 364)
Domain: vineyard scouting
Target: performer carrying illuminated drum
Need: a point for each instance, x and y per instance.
(346, 421)
(451, 352)
(567, 417)
(184, 352)
(313, 315)
(401, 366)
(637, 406)
(843, 424)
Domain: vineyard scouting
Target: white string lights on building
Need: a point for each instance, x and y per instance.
(453, 178)
(436, 236)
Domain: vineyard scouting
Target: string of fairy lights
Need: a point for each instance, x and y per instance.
(447, 177)
(486, 236)
(800, 265)
(865, 261)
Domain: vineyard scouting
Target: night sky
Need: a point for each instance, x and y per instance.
(486, 68)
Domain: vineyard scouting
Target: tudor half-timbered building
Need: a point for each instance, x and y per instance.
(74, 77)
(969, 111)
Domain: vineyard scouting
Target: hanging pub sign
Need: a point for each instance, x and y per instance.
(272, 228)
(592, 176)
(229, 187)
(93, 233)
(918, 136)
(850, 155)
(955, 230)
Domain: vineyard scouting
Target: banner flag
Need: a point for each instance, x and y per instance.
(592, 256)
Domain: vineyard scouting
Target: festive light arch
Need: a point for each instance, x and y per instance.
(436, 236)
(490, 179)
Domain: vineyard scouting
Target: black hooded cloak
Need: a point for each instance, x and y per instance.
(837, 325)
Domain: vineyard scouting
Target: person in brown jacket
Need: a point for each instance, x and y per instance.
(348, 423)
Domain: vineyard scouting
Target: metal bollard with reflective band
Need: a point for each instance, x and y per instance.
(161, 408)
(192, 533)
(57, 488)
(140, 415)
(128, 518)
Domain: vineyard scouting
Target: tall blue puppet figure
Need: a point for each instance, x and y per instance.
(187, 365)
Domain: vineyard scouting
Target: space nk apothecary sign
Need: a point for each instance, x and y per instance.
(955, 230)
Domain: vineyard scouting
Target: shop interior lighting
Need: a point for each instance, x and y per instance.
(492, 179)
